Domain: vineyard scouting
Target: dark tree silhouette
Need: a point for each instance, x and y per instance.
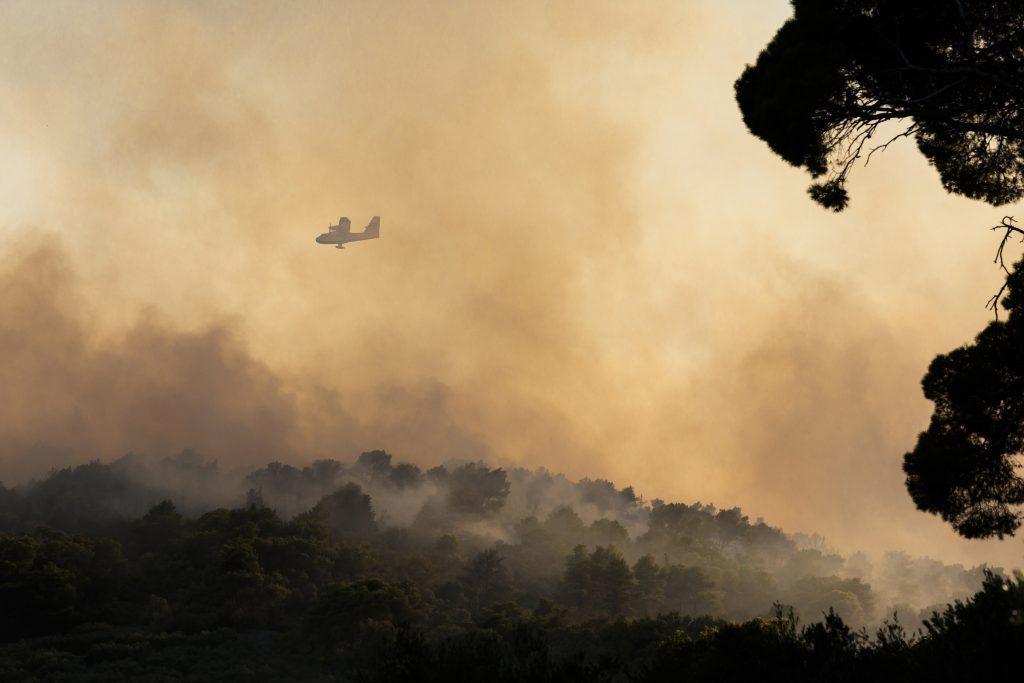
(963, 467)
(486, 578)
(348, 511)
(160, 526)
(599, 583)
(405, 476)
(690, 590)
(650, 585)
(344, 606)
(949, 71)
(477, 490)
(377, 462)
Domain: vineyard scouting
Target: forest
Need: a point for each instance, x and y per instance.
(162, 567)
(375, 570)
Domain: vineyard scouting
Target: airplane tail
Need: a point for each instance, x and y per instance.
(373, 227)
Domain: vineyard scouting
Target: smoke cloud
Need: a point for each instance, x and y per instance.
(586, 262)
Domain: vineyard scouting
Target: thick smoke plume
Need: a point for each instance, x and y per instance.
(586, 263)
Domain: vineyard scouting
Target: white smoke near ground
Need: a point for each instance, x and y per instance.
(481, 507)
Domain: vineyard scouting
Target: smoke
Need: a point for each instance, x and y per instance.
(71, 393)
(586, 262)
(66, 389)
(532, 519)
(195, 167)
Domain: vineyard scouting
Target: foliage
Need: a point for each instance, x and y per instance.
(950, 72)
(964, 466)
(475, 490)
(484, 592)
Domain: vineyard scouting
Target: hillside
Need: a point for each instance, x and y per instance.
(175, 554)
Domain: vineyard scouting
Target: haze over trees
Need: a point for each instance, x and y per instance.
(950, 76)
(374, 570)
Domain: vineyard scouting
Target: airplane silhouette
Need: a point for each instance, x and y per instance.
(341, 234)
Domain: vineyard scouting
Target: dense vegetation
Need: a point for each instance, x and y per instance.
(376, 571)
(947, 73)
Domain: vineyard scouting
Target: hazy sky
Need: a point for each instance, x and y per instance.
(586, 261)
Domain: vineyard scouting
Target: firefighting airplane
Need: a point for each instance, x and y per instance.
(341, 234)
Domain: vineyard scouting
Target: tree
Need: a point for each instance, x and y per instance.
(50, 581)
(477, 490)
(599, 584)
(277, 479)
(690, 590)
(608, 532)
(405, 475)
(160, 527)
(650, 585)
(87, 498)
(813, 596)
(611, 581)
(964, 465)
(575, 588)
(832, 642)
(565, 524)
(486, 579)
(950, 72)
(342, 608)
(375, 463)
(602, 494)
(348, 511)
(682, 519)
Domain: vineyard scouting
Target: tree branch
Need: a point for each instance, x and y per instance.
(1008, 225)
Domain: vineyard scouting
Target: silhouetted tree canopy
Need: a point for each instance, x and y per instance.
(348, 511)
(951, 71)
(486, 579)
(477, 490)
(964, 466)
(376, 462)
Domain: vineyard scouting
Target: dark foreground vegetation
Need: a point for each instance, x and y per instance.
(459, 573)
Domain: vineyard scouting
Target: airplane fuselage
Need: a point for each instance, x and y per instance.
(337, 237)
(341, 234)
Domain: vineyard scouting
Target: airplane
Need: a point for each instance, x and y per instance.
(341, 234)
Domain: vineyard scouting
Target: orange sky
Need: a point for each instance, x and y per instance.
(586, 262)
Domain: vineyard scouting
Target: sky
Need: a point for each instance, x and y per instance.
(587, 263)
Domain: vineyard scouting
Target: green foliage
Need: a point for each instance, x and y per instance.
(813, 596)
(338, 615)
(476, 490)
(948, 71)
(691, 590)
(331, 594)
(486, 581)
(348, 512)
(51, 581)
(597, 584)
